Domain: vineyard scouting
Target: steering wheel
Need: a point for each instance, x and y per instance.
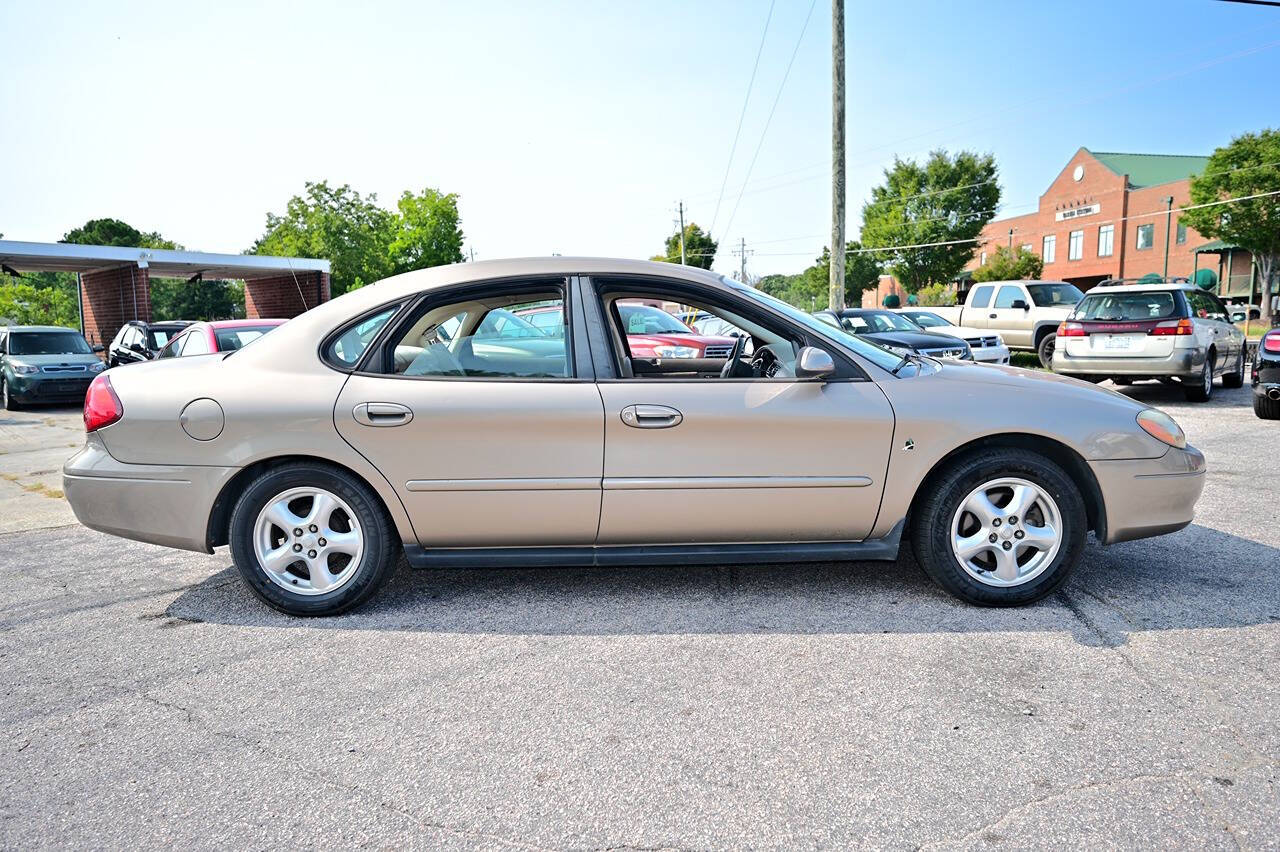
(731, 365)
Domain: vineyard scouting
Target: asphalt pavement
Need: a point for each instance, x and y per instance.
(146, 698)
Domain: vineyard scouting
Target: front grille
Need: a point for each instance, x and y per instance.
(64, 368)
(717, 350)
(66, 387)
(981, 342)
(944, 352)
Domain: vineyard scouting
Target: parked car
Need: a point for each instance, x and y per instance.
(653, 333)
(987, 347)
(1025, 314)
(1265, 376)
(896, 333)
(818, 446)
(1242, 312)
(44, 363)
(138, 341)
(1169, 330)
(203, 338)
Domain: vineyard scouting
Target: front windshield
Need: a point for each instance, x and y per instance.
(646, 319)
(1050, 295)
(48, 343)
(877, 321)
(877, 355)
(924, 319)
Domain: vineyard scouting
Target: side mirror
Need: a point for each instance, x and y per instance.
(98, 347)
(137, 347)
(1020, 303)
(814, 363)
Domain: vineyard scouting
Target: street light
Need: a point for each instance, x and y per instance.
(1168, 225)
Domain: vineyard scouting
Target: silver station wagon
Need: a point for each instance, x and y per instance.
(425, 416)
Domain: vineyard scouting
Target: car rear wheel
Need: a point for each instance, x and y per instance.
(1201, 389)
(1267, 409)
(1044, 349)
(311, 539)
(1002, 527)
(1122, 381)
(10, 404)
(1235, 379)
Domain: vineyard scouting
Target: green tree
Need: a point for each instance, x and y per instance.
(113, 232)
(947, 200)
(177, 298)
(339, 224)
(427, 233)
(808, 290)
(1010, 265)
(1248, 166)
(699, 248)
(26, 304)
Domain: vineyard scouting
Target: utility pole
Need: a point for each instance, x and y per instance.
(1168, 225)
(1011, 239)
(682, 263)
(835, 295)
(742, 252)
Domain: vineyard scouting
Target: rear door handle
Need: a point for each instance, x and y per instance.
(651, 416)
(382, 414)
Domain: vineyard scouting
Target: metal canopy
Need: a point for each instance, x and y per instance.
(162, 263)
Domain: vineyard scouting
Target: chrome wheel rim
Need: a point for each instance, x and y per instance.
(1208, 377)
(1006, 532)
(308, 540)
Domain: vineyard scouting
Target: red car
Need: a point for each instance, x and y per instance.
(203, 338)
(651, 332)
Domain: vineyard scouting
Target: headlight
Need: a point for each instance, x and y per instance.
(23, 369)
(899, 350)
(999, 340)
(97, 368)
(1162, 427)
(675, 351)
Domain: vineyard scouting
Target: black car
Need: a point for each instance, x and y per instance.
(1266, 376)
(140, 341)
(896, 332)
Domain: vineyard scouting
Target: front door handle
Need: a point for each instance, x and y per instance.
(991, 316)
(382, 414)
(651, 416)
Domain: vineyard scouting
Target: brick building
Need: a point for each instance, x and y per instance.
(1109, 215)
(115, 281)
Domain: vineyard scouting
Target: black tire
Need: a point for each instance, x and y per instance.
(1267, 409)
(1235, 379)
(1122, 381)
(1168, 380)
(1200, 389)
(10, 403)
(381, 545)
(932, 517)
(1044, 350)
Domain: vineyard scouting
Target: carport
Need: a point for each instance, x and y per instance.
(115, 281)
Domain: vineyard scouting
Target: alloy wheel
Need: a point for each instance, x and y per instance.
(1208, 378)
(308, 541)
(1006, 532)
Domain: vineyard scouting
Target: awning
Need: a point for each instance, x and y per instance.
(1214, 247)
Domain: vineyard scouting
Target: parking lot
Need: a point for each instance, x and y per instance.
(149, 699)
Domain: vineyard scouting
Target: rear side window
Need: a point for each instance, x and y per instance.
(981, 297)
(1128, 307)
(349, 346)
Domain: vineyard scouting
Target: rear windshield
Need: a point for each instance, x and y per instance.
(231, 339)
(1127, 307)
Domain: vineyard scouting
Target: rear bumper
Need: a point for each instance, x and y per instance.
(160, 504)
(1148, 497)
(1182, 363)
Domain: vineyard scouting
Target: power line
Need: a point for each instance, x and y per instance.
(772, 109)
(741, 116)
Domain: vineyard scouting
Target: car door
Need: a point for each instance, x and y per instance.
(729, 460)
(1211, 318)
(1015, 323)
(977, 307)
(489, 439)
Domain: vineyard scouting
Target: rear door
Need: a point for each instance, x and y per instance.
(1213, 321)
(489, 429)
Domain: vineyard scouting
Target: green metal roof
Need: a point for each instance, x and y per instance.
(1151, 169)
(1214, 247)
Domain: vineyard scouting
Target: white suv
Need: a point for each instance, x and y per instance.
(1167, 330)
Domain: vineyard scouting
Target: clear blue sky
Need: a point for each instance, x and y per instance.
(574, 127)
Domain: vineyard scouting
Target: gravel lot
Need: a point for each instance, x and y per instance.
(149, 699)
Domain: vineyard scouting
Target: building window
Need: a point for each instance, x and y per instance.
(1075, 245)
(1027, 248)
(1050, 248)
(982, 259)
(1182, 233)
(1146, 236)
(1106, 240)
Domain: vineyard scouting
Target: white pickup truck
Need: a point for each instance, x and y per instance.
(1025, 313)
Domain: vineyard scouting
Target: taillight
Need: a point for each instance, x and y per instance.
(1175, 327)
(1070, 329)
(1271, 343)
(101, 405)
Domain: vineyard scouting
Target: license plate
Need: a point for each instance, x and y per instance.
(1118, 341)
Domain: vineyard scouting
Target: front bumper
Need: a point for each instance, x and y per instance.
(991, 354)
(39, 388)
(1182, 363)
(1148, 497)
(160, 504)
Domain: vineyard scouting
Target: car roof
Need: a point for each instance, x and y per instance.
(243, 323)
(1167, 286)
(163, 323)
(13, 328)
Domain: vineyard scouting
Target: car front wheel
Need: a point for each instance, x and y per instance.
(10, 404)
(311, 539)
(1002, 527)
